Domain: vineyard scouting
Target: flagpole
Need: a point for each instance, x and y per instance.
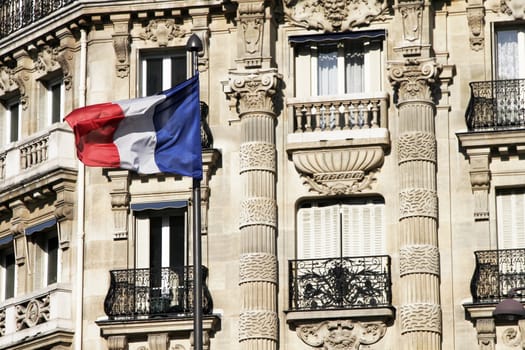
(194, 45)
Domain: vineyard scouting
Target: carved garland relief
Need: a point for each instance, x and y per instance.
(341, 334)
(333, 15)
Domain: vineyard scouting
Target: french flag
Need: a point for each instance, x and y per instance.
(154, 134)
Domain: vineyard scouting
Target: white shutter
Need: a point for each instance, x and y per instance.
(510, 211)
(142, 242)
(363, 229)
(318, 232)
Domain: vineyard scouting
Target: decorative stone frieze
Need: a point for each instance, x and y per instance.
(476, 23)
(417, 202)
(258, 211)
(514, 8)
(341, 334)
(257, 267)
(121, 43)
(162, 31)
(420, 258)
(417, 145)
(257, 156)
(32, 312)
(258, 324)
(334, 15)
(420, 317)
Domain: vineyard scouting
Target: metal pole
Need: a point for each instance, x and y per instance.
(194, 45)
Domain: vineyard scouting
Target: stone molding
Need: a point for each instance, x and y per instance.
(334, 15)
(341, 334)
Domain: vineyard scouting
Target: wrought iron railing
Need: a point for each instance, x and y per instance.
(496, 272)
(496, 104)
(340, 283)
(139, 293)
(16, 14)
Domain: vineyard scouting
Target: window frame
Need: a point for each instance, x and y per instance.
(168, 78)
(8, 122)
(500, 27)
(4, 253)
(51, 107)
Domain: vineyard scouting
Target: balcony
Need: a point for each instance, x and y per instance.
(496, 272)
(496, 105)
(337, 142)
(149, 293)
(37, 320)
(340, 283)
(36, 161)
(16, 14)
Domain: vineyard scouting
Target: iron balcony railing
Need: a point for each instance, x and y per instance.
(141, 293)
(496, 104)
(496, 272)
(16, 14)
(340, 283)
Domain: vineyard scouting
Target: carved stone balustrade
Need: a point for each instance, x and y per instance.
(338, 142)
(47, 312)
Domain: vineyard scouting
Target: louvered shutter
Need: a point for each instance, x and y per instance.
(510, 211)
(318, 232)
(363, 229)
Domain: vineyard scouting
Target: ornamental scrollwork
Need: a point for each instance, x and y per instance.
(420, 317)
(255, 92)
(2, 322)
(32, 312)
(162, 31)
(341, 334)
(414, 78)
(334, 15)
(258, 324)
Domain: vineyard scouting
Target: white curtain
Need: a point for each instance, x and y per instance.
(327, 70)
(508, 55)
(354, 61)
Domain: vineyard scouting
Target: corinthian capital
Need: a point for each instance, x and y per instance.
(414, 78)
(254, 91)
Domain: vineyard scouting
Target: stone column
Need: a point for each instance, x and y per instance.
(252, 85)
(420, 311)
(258, 327)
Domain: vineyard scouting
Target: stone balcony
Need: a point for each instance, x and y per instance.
(38, 320)
(338, 142)
(36, 160)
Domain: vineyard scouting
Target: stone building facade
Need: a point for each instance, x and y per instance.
(363, 188)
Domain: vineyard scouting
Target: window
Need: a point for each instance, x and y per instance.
(161, 71)
(55, 96)
(7, 273)
(337, 64)
(13, 124)
(45, 247)
(510, 213)
(510, 53)
(349, 228)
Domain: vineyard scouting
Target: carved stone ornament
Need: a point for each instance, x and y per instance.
(476, 23)
(511, 336)
(341, 334)
(32, 312)
(254, 92)
(339, 171)
(334, 15)
(120, 198)
(2, 323)
(486, 329)
(251, 16)
(11, 82)
(121, 46)
(162, 31)
(514, 8)
(414, 78)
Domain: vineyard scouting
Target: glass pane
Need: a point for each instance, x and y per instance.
(177, 245)
(153, 76)
(178, 70)
(55, 103)
(14, 111)
(52, 260)
(354, 62)
(327, 70)
(155, 242)
(9, 276)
